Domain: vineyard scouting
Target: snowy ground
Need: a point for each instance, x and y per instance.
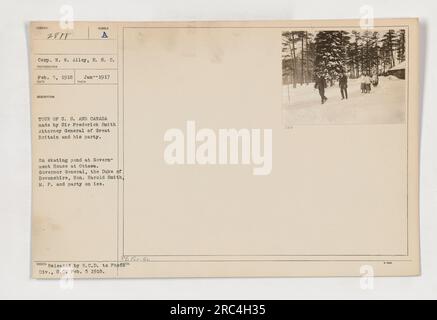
(385, 104)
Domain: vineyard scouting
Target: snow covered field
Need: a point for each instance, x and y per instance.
(386, 103)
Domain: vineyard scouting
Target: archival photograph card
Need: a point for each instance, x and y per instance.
(225, 149)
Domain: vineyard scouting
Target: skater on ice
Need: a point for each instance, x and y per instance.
(365, 83)
(342, 81)
(321, 85)
(368, 82)
(375, 80)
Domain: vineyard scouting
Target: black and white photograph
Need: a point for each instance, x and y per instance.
(344, 76)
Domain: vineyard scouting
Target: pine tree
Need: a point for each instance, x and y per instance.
(389, 40)
(400, 45)
(296, 56)
(330, 54)
(353, 54)
(289, 54)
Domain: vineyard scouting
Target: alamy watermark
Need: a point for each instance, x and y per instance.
(220, 147)
(367, 17)
(367, 278)
(66, 19)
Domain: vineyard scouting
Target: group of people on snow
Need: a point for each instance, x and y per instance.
(366, 84)
(367, 81)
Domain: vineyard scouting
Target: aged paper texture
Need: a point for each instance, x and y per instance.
(225, 149)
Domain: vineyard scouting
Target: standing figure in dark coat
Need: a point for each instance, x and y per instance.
(375, 80)
(342, 81)
(321, 85)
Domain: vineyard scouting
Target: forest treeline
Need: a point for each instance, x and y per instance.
(307, 55)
